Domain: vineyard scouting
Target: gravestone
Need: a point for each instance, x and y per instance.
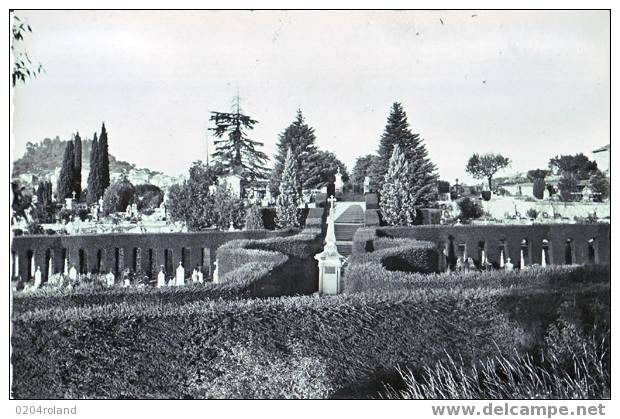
(338, 183)
(195, 276)
(330, 261)
(367, 185)
(73, 273)
(37, 278)
(161, 278)
(216, 275)
(508, 266)
(201, 279)
(180, 275)
(110, 278)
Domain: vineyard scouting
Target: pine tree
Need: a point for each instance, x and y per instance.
(286, 203)
(396, 201)
(77, 168)
(254, 219)
(67, 172)
(422, 171)
(103, 160)
(301, 139)
(234, 149)
(94, 191)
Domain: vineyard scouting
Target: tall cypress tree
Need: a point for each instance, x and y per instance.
(67, 172)
(77, 165)
(301, 140)
(286, 203)
(103, 160)
(396, 201)
(94, 179)
(234, 149)
(422, 172)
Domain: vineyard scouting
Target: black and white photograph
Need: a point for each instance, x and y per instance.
(310, 204)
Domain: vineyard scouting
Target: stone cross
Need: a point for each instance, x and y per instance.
(332, 205)
(73, 194)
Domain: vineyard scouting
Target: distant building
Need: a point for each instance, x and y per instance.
(602, 157)
(233, 179)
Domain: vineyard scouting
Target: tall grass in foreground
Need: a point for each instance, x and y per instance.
(585, 374)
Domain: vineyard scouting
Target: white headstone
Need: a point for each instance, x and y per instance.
(367, 184)
(522, 261)
(232, 227)
(201, 279)
(338, 183)
(216, 275)
(195, 276)
(508, 266)
(69, 203)
(543, 261)
(501, 258)
(180, 277)
(126, 282)
(161, 278)
(37, 278)
(73, 273)
(110, 278)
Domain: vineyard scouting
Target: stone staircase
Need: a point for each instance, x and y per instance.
(350, 219)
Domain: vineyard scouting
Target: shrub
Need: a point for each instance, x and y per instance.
(372, 201)
(253, 218)
(538, 188)
(34, 228)
(470, 209)
(400, 255)
(486, 195)
(148, 197)
(118, 196)
(532, 213)
(348, 344)
(371, 217)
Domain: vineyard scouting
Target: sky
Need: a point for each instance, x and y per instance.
(527, 84)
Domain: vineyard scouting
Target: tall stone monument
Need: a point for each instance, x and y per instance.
(330, 261)
(338, 183)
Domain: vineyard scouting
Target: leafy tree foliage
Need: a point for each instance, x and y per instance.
(363, 167)
(148, 197)
(254, 218)
(579, 165)
(22, 200)
(470, 209)
(600, 186)
(234, 148)
(193, 203)
(23, 68)
(118, 196)
(397, 207)
(300, 138)
(287, 200)
(422, 172)
(328, 165)
(77, 165)
(537, 174)
(66, 178)
(568, 186)
(486, 166)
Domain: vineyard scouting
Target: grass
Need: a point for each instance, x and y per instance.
(584, 374)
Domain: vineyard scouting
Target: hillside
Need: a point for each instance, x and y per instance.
(41, 159)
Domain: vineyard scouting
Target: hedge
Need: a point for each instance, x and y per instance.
(495, 235)
(400, 255)
(342, 346)
(287, 262)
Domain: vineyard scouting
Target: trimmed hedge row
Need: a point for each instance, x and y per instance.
(87, 296)
(400, 255)
(286, 263)
(341, 346)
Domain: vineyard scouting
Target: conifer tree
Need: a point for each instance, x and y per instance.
(422, 172)
(94, 191)
(301, 139)
(396, 201)
(286, 203)
(66, 183)
(234, 149)
(77, 168)
(103, 160)
(254, 219)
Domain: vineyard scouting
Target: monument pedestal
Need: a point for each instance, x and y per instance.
(330, 261)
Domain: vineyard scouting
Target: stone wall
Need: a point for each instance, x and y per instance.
(116, 252)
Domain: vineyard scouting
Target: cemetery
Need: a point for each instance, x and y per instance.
(253, 276)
